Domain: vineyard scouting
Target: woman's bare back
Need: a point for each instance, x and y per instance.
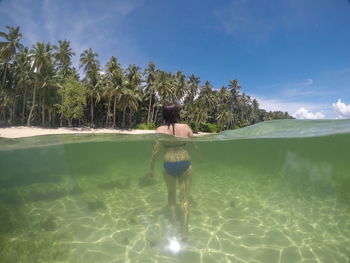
(181, 130)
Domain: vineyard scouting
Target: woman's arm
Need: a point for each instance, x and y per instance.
(194, 146)
(198, 152)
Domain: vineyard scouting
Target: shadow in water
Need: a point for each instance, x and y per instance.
(24, 179)
(118, 183)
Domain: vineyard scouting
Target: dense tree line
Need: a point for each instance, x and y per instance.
(39, 86)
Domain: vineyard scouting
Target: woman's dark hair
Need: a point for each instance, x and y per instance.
(171, 115)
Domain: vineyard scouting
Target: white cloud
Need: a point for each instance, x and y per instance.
(277, 105)
(303, 113)
(342, 109)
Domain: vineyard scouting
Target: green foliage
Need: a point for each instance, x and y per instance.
(205, 127)
(73, 99)
(146, 126)
(193, 126)
(209, 127)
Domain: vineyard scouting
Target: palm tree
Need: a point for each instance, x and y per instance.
(63, 56)
(193, 88)
(88, 60)
(114, 84)
(225, 117)
(49, 82)
(5, 102)
(164, 90)
(243, 109)
(106, 92)
(150, 86)
(42, 72)
(22, 67)
(131, 91)
(255, 111)
(207, 97)
(180, 86)
(224, 96)
(133, 76)
(8, 48)
(129, 99)
(234, 88)
(91, 65)
(198, 114)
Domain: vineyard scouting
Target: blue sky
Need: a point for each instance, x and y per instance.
(292, 55)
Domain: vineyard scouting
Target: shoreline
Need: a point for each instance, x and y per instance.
(13, 132)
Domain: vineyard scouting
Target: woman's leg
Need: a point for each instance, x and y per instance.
(171, 186)
(184, 187)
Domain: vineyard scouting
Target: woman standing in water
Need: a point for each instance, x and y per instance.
(177, 164)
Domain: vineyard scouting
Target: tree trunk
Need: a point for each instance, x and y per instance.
(24, 105)
(50, 117)
(5, 71)
(32, 108)
(3, 114)
(54, 118)
(92, 112)
(70, 122)
(114, 110)
(152, 113)
(156, 115)
(149, 109)
(108, 112)
(13, 113)
(123, 122)
(43, 112)
(61, 115)
(130, 119)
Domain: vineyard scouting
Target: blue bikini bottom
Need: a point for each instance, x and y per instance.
(176, 168)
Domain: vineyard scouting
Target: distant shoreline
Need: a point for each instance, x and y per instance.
(13, 132)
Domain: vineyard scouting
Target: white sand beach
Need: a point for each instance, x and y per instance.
(24, 131)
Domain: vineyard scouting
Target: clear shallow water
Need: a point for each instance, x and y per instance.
(274, 192)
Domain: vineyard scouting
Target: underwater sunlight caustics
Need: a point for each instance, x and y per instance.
(277, 191)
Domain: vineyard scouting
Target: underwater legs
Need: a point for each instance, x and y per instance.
(171, 186)
(184, 192)
(184, 187)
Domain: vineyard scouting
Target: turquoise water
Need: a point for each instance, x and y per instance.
(273, 192)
